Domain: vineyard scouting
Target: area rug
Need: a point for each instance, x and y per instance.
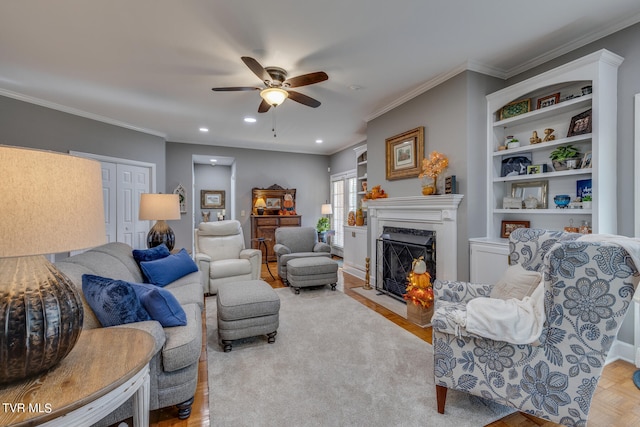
(334, 363)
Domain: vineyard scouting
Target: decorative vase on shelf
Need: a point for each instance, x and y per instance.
(429, 186)
(359, 218)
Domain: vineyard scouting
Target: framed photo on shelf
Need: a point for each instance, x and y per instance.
(508, 226)
(580, 124)
(515, 164)
(537, 189)
(515, 108)
(586, 160)
(404, 154)
(534, 169)
(211, 199)
(547, 101)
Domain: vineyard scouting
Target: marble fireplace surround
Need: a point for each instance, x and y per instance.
(436, 213)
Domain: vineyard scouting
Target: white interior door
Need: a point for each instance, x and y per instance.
(109, 186)
(132, 181)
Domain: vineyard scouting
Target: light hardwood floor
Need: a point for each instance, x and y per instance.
(616, 401)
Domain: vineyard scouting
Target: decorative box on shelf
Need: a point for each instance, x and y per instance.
(511, 203)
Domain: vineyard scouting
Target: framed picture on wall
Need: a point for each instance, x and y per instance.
(211, 199)
(404, 154)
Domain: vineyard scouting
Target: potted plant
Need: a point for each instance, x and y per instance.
(586, 202)
(322, 227)
(561, 154)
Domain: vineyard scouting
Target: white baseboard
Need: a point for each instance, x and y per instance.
(354, 272)
(621, 350)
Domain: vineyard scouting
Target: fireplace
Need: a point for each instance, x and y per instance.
(437, 214)
(396, 248)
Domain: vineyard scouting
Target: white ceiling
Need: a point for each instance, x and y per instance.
(150, 64)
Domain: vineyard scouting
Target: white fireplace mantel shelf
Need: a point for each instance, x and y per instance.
(436, 213)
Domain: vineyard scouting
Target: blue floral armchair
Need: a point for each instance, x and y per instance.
(588, 287)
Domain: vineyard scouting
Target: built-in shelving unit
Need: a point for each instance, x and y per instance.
(356, 237)
(361, 172)
(597, 71)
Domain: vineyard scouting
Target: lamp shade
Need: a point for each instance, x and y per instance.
(159, 206)
(326, 209)
(260, 203)
(51, 202)
(274, 96)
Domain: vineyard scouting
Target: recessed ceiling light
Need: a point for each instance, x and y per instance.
(249, 120)
(204, 130)
(213, 160)
(319, 141)
(355, 87)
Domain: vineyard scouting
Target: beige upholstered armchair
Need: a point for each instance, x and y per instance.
(586, 284)
(221, 255)
(297, 242)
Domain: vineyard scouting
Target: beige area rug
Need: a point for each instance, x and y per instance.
(334, 363)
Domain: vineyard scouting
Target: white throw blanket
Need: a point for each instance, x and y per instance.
(513, 320)
(521, 321)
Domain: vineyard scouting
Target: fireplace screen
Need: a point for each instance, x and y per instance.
(396, 249)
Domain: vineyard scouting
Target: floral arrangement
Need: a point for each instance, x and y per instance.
(433, 165)
(419, 290)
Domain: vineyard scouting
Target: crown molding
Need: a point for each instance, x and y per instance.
(76, 112)
(591, 37)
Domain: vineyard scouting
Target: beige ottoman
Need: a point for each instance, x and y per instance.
(313, 271)
(247, 309)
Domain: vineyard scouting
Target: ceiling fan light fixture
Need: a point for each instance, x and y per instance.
(274, 96)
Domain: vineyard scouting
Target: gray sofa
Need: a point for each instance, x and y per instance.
(297, 242)
(174, 367)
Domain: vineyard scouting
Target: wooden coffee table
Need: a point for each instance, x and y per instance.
(105, 368)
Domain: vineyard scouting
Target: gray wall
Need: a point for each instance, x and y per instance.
(29, 125)
(254, 168)
(344, 160)
(625, 43)
(207, 177)
(454, 117)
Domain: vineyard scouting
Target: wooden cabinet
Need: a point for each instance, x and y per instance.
(355, 250)
(264, 227)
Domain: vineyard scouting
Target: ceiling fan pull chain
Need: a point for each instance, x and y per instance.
(273, 127)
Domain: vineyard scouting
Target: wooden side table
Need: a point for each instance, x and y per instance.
(105, 368)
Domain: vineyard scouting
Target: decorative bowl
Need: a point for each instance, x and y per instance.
(562, 200)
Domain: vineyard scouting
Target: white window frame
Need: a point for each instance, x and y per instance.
(337, 224)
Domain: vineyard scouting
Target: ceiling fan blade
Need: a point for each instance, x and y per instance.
(303, 99)
(257, 69)
(264, 107)
(234, 89)
(306, 79)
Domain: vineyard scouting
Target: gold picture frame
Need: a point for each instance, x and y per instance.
(515, 108)
(211, 199)
(404, 154)
(537, 189)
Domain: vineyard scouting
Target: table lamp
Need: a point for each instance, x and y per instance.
(260, 205)
(160, 207)
(326, 209)
(51, 203)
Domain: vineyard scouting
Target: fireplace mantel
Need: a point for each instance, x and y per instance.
(437, 213)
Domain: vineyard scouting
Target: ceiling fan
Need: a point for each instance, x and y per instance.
(277, 85)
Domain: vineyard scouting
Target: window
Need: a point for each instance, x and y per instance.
(343, 200)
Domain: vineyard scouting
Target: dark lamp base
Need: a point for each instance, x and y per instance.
(161, 233)
(41, 313)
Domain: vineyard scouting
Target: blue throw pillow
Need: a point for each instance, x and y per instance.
(163, 271)
(160, 304)
(151, 254)
(113, 301)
